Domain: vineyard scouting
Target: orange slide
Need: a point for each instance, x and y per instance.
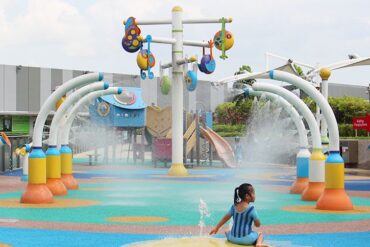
(223, 148)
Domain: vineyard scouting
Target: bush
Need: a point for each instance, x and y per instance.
(233, 113)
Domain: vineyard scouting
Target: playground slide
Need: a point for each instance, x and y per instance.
(223, 148)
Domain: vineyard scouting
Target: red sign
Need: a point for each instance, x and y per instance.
(361, 123)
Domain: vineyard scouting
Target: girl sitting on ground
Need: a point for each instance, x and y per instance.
(244, 214)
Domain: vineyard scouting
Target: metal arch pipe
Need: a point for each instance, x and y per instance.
(71, 99)
(316, 165)
(318, 98)
(54, 97)
(298, 104)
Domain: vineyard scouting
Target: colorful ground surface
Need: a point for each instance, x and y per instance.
(119, 205)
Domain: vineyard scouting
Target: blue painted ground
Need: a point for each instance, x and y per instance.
(33, 237)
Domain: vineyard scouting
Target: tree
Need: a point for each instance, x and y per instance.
(242, 84)
(299, 70)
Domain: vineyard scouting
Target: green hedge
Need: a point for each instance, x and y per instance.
(344, 108)
(347, 130)
(229, 128)
(226, 130)
(230, 134)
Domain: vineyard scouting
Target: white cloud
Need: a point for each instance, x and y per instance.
(48, 23)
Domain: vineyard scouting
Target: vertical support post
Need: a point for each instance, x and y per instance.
(197, 145)
(324, 74)
(11, 155)
(177, 167)
(105, 148)
(185, 124)
(134, 145)
(96, 152)
(142, 146)
(210, 154)
(114, 147)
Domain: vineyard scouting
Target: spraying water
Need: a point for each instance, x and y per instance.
(109, 144)
(271, 135)
(204, 213)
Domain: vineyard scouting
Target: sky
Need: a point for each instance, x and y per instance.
(87, 34)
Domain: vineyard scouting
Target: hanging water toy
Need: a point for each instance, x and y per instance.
(191, 77)
(146, 60)
(191, 80)
(165, 84)
(223, 39)
(165, 81)
(207, 64)
(131, 41)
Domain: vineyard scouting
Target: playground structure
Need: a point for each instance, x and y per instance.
(333, 196)
(158, 126)
(124, 112)
(132, 42)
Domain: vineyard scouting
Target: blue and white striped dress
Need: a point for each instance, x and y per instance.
(241, 232)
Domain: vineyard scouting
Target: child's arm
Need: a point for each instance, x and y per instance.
(256, 219)
(257, 222)
(220, 224)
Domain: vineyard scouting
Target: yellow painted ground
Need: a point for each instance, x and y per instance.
(188, 242)
(189, 176)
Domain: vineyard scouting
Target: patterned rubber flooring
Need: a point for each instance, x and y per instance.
(120, 205)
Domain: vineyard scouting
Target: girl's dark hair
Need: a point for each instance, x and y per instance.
(241, 191)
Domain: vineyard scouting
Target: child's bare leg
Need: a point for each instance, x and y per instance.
(260, 240)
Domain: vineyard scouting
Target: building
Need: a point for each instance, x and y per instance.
(341, 90)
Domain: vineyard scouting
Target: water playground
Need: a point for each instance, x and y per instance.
(156, 176)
